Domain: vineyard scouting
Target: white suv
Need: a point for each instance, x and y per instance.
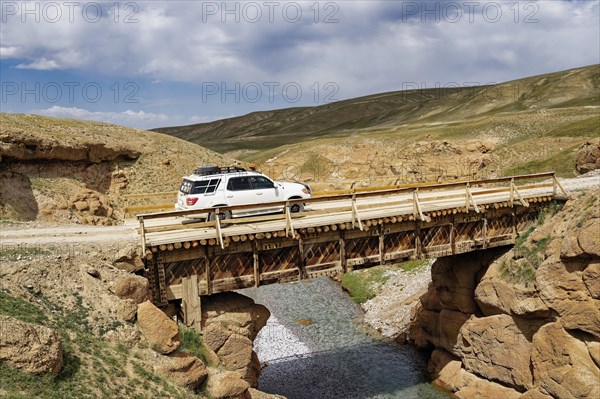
(214, 187)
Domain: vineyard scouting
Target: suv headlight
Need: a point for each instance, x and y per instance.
(306, 189)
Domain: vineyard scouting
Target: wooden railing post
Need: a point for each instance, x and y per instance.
(355, 215)
(218, 228)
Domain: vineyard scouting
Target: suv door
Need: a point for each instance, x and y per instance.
(239, 192)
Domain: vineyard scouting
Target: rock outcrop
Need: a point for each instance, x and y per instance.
(30, 347)
(182, 368)
(160, 331)
(495, 336)
(588, 157)
(231, 323)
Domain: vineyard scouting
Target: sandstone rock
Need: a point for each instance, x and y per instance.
(447, 372)
(495, 296)
(256, 394)
(562, 288)
(483, 346)
(239, 313)
(81, 205)
(237, 355)
(182, 368)
(455, 279)
(161, 332)
(126, 310)
(133, 287)
(226, 384)
(562, 365)
(588, 158)
(591, 279)
(589, 237)
(479, 388)
(585, 245)
(128, 259)
(30, 347)
(535, 393)
(231, 323)
(215, 335)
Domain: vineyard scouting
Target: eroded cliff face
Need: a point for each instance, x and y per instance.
(521, 322)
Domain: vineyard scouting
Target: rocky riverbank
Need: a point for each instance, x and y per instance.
(514, 323)
(81, 326)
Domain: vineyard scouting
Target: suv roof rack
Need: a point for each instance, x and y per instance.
(217, 170)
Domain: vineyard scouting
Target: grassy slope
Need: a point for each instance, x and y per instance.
(399, 113)
(535, 124)
(93, 368)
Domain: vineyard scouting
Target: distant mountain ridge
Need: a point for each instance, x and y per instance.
(260, 131)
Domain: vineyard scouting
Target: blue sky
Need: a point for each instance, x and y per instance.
(150, 63)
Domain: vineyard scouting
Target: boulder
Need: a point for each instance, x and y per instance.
(126, 310)
(483, 346)
(562, 365)
(231, 323)
(226, 384)
(256, 394)
(133, 287)
(563, 289)
(585, 245)
(588, 158)
(237, 355)
(479, 388)
(30, 347)
(161, 332)
(182, 368)
(129, 260)
(494, 296)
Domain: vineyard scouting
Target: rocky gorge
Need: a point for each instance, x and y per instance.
(520, 322)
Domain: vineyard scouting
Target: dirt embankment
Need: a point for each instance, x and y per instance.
(67, 170)
(519, 323)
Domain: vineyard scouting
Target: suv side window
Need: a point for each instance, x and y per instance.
(260, 182)
(206, 186)
(239, 184)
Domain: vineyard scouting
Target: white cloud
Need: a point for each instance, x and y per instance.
(41, 64)
(126, 118)
(375, 46)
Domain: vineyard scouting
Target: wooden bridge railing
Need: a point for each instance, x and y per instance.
(472, 190)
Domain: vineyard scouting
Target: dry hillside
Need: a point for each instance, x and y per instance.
(527, 125)
(59, 169)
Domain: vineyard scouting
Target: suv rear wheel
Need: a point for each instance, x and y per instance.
(223, 215)
(296, 208)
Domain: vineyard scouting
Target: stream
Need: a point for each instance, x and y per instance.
(314, 346)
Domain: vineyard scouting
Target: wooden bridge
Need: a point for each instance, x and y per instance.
(187, 257)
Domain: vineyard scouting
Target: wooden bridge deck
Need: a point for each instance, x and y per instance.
(187, 258)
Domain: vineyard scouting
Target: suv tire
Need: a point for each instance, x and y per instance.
(223, 215)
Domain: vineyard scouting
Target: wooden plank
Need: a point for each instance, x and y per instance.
(191, 303)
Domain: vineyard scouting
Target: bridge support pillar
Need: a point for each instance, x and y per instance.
(191, 303)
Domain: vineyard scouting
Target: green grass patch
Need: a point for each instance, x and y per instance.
(413, 266)
(589, 127)
(364, 284)
(21, 309)
(527, 258)
(562, 162)
(15, 253)
(192, 343)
